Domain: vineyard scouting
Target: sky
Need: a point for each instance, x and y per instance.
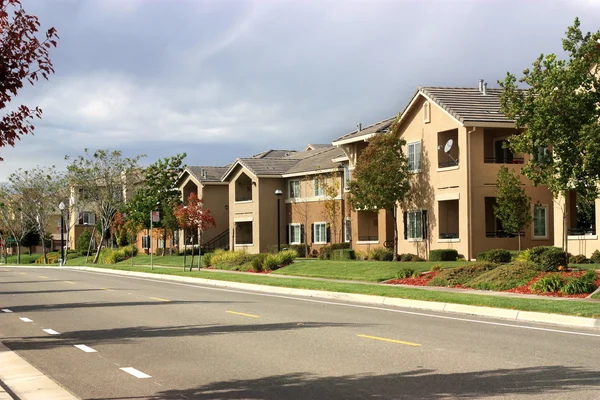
(221, 79)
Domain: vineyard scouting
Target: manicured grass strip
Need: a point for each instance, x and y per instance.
(368, 271)
(567, 307)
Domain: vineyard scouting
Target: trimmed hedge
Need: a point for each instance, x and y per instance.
(551, 259)
(443, 255)
(343, 255)
(325, 251)
(498, 256)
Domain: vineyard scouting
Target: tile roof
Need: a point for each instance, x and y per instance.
(273, 153)
(320, 159)
(213, 174)
(468, 105)
(377, 127)
(315, 146)
(268, 166)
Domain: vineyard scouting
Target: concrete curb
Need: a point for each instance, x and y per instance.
(502, 313)
(25, 381)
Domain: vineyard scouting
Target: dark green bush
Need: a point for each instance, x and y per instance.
(300, 249)
(498, 256)
(551, 259)
(535, 253)
(595, 258)
(406, 257)
(578, 259)
(258, 262)
(381, 254)
(462, 275)
(207, 259)
(343, 255)
(83, 242)
(405, 272)
(443, 255)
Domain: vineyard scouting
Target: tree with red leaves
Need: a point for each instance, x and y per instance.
(23, 56)
(192, 216)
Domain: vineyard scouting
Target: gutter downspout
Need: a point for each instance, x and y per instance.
(469, 196)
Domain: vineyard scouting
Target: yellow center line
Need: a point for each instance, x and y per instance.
(159, 299)
(107, 289)
(23, 273)
(72, 283)
(245, 315)
(389, 340)
(44, 277)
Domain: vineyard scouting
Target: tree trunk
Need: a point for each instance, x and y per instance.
(97, 256)
(184, 251)
(519, 235)
(18, 253)
(44, 251)
(565, 230)
(395, 217)
(192, 243)
(164, 236)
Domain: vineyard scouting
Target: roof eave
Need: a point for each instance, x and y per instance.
(312, 172)
(361, 138)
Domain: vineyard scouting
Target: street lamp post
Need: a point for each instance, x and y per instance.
(61, 207)
(278, 193)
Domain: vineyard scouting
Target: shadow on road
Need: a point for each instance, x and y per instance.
(50, 291)
(417, 384)
(123, 335)
(40, 281)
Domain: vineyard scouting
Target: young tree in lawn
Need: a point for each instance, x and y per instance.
(329, 184)
(192, 216)
(41, 189)
(100, 177)
(513, 206)
(132, 228)
(558, 114)
(23, 57)
(381, 177)
(11, 215)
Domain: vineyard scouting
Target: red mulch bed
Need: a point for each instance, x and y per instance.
(525, 289)
(422, 280)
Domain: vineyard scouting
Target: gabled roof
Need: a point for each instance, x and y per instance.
(273, 153)
(315, 146)
(365, 133)
(467, 105)
(319, 160)
(211, 174)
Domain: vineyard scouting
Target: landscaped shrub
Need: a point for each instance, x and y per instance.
(287, 257)
(52, 258)
(258, 262)
(535, 253)
(438, 281)
(113, 256)
(325, 251)
(381, 254)
(342, 255)
(83, 242)
(582, 284)
(436, 268)
(207, 259)
(551, 259)
(547, 284)
(595, 258)
(405, 257)
(578, 259)
(498, 256)
(300, 249)
(405, 272)
(224, 259)
(361, 255)
(514, 254)
(443, 255)
(463, 274)
(523, 255)
(506, 276)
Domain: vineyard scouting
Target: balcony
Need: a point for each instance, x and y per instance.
(448, 220)
(448, 151)
(243, 188)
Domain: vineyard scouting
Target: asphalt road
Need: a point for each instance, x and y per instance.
(152, 339)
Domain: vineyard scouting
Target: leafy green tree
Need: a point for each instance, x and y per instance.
(100, 178)
(557, 114)
(330, 187)
(83, 242)
(158, 192)
(513, 206)
(12, 218)
(381, 177)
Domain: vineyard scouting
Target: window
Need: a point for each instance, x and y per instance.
(347, 230)
(87, 218)
(161, 244)
(541, 155)
(318, 188)
(294, 189)
(414, 157)
(415, 225)
(426, 112)
(540, 222)
(295, 234)
(320, 233)
(347, 176)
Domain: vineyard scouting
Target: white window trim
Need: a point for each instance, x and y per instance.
(452, 168)
(299, 226)
(582, 237)
(346, 240)
(545, 237)
(243, 202)
(317, 185)
(457, 240)
(347, 181)
(315, 231)
(290, 189)
(420, 142)
(415, 239)
(367, 242)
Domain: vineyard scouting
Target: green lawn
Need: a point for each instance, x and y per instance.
(369, 271)
(25, 259)
(567, 307)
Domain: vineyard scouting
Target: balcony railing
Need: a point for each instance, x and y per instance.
(502, 234)
(446, 164)
(494, 160)
(448, 235)
(581, 231)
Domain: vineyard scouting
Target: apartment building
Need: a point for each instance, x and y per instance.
(456, 146)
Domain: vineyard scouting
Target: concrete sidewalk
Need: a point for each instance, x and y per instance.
(20, 380)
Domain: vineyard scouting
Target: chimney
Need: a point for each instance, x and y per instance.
(481, 85)
(203, 173)
(359, 127)
(484, 89)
